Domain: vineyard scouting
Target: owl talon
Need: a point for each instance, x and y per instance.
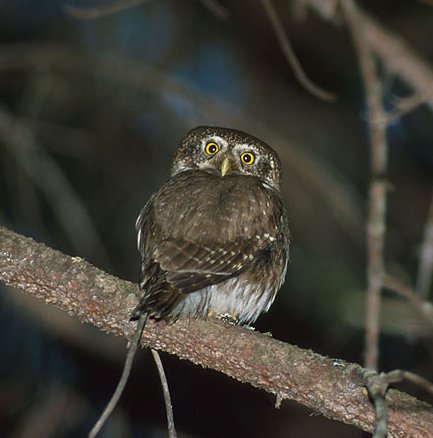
(226, 317)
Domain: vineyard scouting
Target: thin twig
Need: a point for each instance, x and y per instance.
(424, 307)
(325, 8)
(216, 8)
(289, 54)
(31, 157)
(425, 269)
(103, 11)
(403, 106)
(135, 342)
(213, 6)
(378, 385)
(377, 194)
(166, 392)
(396, 376)
(396, 54)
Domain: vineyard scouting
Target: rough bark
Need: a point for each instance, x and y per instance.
(332, 387)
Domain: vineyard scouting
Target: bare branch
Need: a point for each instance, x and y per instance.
(91, 13)
(424, 307)
(20, 142)
(396, 54)
(216, 8)
(290, 56)
(333, 387)
(377, 196)
(378, 385)
(425, 269)
(103, 11)
(377, 388)
(403, 106)
(396, 376)
(166, 392)
(127, 366)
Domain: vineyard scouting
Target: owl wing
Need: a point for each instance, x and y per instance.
(175, 265)
(191, 267)
(182, 267)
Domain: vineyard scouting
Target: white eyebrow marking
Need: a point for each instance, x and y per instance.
(216, 139)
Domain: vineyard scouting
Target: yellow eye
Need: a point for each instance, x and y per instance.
(247, 158)
(211, 148)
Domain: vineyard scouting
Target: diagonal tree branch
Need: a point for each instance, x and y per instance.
(332, 387)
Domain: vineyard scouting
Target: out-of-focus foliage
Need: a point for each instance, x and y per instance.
(91, 112)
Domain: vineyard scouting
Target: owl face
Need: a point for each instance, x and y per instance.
(226, 152)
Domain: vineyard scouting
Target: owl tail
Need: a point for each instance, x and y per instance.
(158, 301)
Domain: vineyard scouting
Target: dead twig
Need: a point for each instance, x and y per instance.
(425, 269)
(378, 385)
(404, 106)
(377, 194)
(216, 8)
(395, 53)
(21, 143)
(423, 307)
(134, 343)
(166, 392)
(103, 11)
(289, 54)
(92, 13)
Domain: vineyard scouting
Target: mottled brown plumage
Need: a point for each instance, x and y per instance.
(214, 238)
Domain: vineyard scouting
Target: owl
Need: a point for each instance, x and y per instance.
(214, 239)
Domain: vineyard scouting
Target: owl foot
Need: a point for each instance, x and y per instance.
(226, 317)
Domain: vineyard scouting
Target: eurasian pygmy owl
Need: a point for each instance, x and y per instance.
(214, 239)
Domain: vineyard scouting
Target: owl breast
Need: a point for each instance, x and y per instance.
(215, 208)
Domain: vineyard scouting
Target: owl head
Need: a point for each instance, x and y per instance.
(227, 152)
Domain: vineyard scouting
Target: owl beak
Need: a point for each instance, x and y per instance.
(225, 166)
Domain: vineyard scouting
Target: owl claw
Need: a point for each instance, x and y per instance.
(227, 317)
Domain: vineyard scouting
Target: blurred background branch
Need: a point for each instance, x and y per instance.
(91, 113)
(425, 270)
(398, 57)
(376, 222)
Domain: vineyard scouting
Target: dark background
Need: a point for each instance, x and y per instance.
(91, 112)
